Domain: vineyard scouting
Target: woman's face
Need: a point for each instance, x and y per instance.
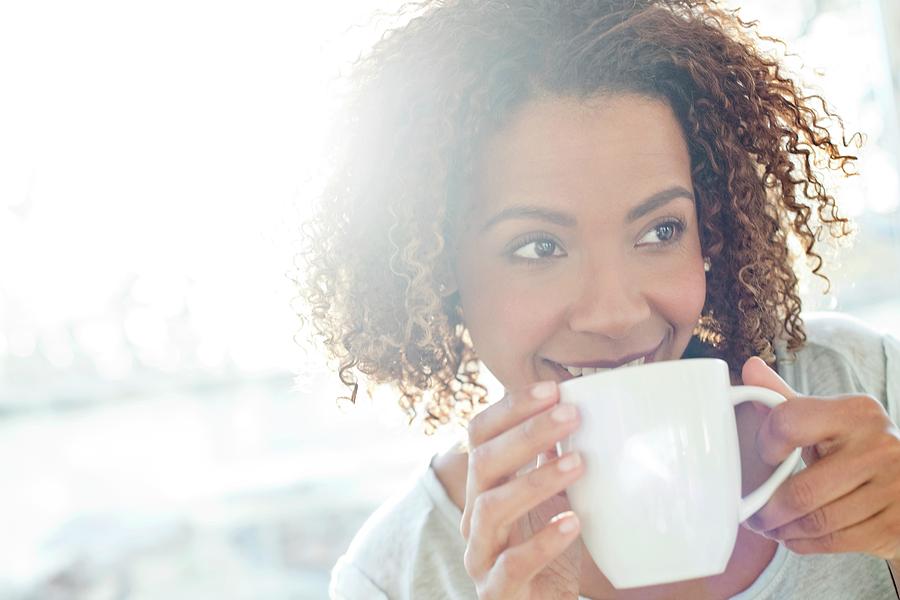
(580, 246)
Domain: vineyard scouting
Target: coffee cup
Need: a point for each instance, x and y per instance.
(660, 498)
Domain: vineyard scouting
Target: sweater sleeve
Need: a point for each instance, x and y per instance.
(846, 355)
(348, 582)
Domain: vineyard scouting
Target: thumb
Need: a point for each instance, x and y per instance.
(757, 372)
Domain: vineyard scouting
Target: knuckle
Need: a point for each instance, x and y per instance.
(485, 509)
(889, 443)
(800, 494)
(510, 567)
(828, 543)
(865, 410)
(469, 561)
(883, 450)
(892, 438)
(867, 405)
(815, 522)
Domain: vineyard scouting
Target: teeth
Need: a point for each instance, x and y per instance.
(590, 371)
(579, 371)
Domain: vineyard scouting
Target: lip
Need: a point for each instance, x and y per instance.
(603, 364)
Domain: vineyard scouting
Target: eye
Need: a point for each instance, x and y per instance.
(662, 233)
(537, 247)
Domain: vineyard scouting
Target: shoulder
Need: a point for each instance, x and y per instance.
(410, 547)
(842, 333)
(823, 576)
(843, 355)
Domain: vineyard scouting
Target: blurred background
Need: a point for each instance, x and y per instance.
(161, 434)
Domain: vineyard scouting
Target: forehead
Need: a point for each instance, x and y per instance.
(609, 151)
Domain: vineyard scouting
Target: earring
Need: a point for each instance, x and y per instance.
(707, 264)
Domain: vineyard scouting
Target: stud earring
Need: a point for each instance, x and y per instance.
(707, 264)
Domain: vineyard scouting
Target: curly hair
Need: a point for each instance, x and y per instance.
(432, 89)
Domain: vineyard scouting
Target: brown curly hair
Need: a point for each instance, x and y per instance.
(379, 243)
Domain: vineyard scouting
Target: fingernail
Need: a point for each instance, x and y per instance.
(543, 390)
(568, 524)
(569, 462)
(563, 413)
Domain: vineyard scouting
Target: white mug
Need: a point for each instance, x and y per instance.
(660, 498)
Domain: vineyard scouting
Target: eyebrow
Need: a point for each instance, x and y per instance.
(656, 200)
(647, 205)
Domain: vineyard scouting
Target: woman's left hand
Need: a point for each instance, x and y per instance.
(848, 497)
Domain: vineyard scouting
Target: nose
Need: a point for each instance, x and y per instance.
(609, 301)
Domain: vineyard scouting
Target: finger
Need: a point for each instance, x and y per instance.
(756, 372)
(519, 564)
(547, 456)
(801, 421)
(852, 509)
(499, 459)
(496, 511)
(811, 489)
(495, 460)
(514, 408)
(876, 535)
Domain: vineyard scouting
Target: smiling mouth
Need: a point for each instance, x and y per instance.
(571, 371)
(579, 371)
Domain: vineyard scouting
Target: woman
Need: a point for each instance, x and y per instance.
(552, 187)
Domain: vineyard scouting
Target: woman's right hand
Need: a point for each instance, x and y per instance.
(518, 526)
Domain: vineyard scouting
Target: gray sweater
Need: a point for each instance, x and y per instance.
(411, 548)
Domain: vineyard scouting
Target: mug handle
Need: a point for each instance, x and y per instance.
(755, 500)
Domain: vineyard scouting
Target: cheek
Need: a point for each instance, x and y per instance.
(680, 293)
(507, 323)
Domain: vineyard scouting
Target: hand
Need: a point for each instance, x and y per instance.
(518, 531)
(848, 497)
